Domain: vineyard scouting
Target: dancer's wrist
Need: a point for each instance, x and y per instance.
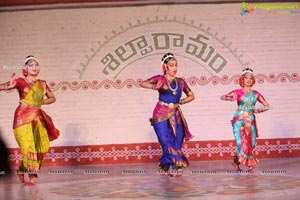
(154, 86)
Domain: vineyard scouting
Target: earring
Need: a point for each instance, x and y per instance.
(164, 67)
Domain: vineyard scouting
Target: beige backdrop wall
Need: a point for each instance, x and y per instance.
(94, 58)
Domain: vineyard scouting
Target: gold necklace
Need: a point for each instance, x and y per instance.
(174, 91)
(30, 82)
(246, 91)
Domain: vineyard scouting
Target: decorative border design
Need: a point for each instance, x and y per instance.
(94, 85)
(151, 152)
(193, 81)
(155, 20)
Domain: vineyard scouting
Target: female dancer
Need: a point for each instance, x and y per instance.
(33, 128)
(167, 120)
(243, 122)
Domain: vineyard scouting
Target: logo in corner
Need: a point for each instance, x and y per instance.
(246, 9)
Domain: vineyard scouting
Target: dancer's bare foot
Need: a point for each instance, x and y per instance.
(179, 173)
(236, 164)
(167, 174)
(20, 176)
(31, 182)
(236, 167)
(250, 169)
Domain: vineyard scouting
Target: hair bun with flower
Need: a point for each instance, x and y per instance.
(29, 58)
(241, 79)
(247, 70)
(165, 59)
(26, 61)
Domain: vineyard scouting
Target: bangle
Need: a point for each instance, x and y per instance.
(153, 86)
(228, 98)
(182, 101)
(260, 110)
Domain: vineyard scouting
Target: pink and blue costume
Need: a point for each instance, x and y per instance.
(244, 125)
(169, 124)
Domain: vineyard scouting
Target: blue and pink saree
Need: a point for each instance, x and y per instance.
(169, 123)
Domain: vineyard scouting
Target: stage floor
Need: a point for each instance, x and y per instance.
(274, 179)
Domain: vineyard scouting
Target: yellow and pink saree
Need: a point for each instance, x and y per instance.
(33, 128)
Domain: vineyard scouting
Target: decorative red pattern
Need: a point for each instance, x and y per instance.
(94, 85)
(151, 152)
(202, 81)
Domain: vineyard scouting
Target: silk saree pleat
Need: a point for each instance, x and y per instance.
(245, 130)
(30, 128)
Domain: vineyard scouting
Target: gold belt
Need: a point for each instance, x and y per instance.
(31, 106)
(170, 105)
(245, 113)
